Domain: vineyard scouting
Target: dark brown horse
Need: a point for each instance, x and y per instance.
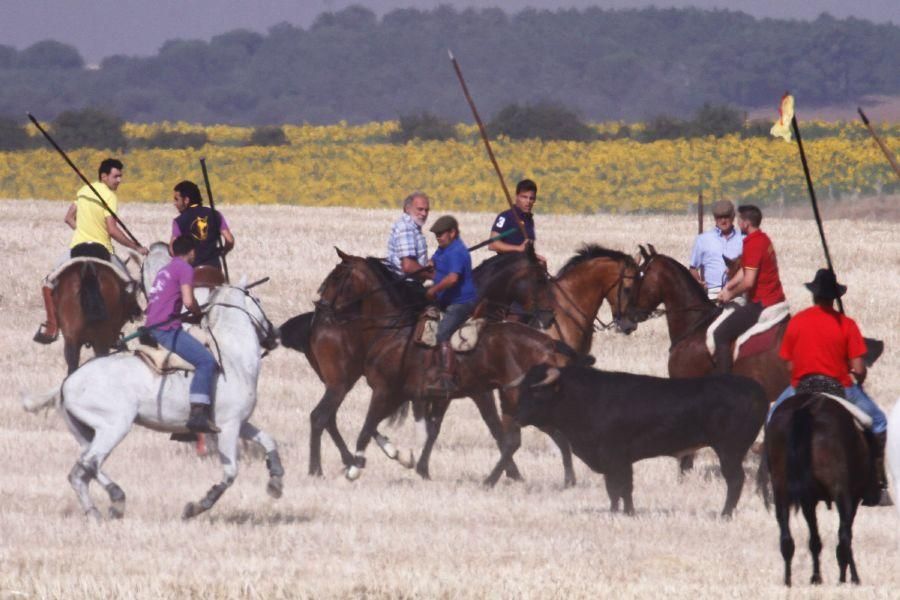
(92, 305)
(395, 367)
(815, 452)
(336, 338)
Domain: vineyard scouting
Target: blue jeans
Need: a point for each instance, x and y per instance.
(454, 316)
(855, 395)
(187, 347)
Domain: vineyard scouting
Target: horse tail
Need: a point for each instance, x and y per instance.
(295, 332)
(578, 360)
(799, 457)
(399, 415)
(92, 305)
(33, 402)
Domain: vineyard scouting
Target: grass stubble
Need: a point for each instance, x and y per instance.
(391, 534)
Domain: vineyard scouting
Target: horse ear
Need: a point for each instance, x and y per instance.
(341, 254)
(652, 249)
(644, 253)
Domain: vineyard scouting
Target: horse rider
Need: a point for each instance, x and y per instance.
(453, 289)
(825, 351)
(95, 228)
(407, 250)
(526, 196)
(172, 290)
(198, 221)
(707, 264)
(759, 278)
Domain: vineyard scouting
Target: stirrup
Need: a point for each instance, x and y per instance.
(42, 338)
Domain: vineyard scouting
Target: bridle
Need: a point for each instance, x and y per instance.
(265, 331)
(594, 323)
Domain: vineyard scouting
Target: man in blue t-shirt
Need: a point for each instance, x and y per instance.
(526, 196)
(453, 289)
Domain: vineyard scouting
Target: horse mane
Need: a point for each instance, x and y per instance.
(591, 251)
(407, 297)
(684, 273)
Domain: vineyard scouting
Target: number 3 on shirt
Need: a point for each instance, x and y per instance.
(500, 222)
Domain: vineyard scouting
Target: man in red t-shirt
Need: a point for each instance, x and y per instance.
(759, 278)
(821, 342)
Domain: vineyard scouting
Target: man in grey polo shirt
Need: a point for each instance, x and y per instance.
(407, 251)
(707, 264)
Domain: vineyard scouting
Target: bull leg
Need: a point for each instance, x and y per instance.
(782, 514)
(815, 542)
(733, 472)
(72, 354)
(566, 451)
(512, 439)
(322, 417)
(488, 411)
(275, 487)
(228, 446)
(847, 512)
(619, 485)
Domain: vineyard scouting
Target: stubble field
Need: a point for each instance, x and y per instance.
(391, 534)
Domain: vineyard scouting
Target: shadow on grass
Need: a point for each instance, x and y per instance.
(246, 517)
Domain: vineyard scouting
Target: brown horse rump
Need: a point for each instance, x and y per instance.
(207, 276)
(120, 273)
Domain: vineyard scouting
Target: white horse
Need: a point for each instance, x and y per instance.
(893, 450)
(103, 399)
(157, 257)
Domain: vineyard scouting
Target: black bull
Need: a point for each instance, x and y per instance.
(615, 419)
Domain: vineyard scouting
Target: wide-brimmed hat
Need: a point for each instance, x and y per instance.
(723, 208)
(444, 223)
(824, 285)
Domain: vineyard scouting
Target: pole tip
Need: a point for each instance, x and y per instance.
(450, 54)
(862, 115)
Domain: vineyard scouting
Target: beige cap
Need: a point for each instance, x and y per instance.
(723, 208)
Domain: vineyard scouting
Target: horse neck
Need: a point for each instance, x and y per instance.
(684, 301)
(236, 339)
(579, 296)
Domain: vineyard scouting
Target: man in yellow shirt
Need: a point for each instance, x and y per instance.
(95, 228)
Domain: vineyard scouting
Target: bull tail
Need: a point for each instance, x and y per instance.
(295, 332)
(576, 359)
(799, 458)
(92, 305)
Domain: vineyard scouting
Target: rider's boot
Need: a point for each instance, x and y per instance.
(200, 421)
(880, 442)
(448, 360)
(723, 358)
(49, 330)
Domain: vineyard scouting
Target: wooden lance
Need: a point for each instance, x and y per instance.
(887, 153)
(217, 217)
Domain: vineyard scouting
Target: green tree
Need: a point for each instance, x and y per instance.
(89, 128)
(13, 135)
(423, 126)
(545, 121)
(50, 54)
(268, 136)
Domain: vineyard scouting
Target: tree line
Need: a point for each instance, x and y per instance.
(350, 65)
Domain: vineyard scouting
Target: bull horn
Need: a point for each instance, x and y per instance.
(552, 375)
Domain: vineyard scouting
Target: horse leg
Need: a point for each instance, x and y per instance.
(566, 451)
(783, 513)
(248, 431)
(227, 446)
(488, 410)
(322, 417)
(116, 495)
(512, 435)
(380, 408)
(815, 542)
(847, 512)
(432, 423)
(88, 467)
(72, 354)
(733, 472)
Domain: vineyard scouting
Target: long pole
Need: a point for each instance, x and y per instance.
(815, 204)
(888, 154)
(487, 143)
(84, 179)
(216, 217)
(700, 211)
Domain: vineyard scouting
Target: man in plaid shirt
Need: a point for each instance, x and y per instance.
(407, 251)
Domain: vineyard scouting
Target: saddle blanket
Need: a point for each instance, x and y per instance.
(862, 420)
(768, 319)
(163, 361)
(120, 273)
(463, 339)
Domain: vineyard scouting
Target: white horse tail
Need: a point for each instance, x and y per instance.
(33, 402)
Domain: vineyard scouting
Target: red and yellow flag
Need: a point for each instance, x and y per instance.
(782, 127)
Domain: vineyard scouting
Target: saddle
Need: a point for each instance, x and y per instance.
(126, 279)
(163, 361)
(759, 338)
(464, 339)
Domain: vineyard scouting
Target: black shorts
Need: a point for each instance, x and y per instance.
(90, 249)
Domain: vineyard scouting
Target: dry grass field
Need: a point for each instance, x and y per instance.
(391, 534)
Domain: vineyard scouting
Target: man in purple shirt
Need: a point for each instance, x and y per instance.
(172, 290)
(202, 224)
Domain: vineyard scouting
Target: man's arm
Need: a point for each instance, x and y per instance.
(742, 281)
(501, 247)
(696, 273)
(115, 233)
(189, 300)
(447, 282)
(696, 262)
(411, 266)
(858, 369)
(227, 241)
(72, 216)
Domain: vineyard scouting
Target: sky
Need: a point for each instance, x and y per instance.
(100, 28)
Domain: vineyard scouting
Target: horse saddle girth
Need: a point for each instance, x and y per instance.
(163, 361)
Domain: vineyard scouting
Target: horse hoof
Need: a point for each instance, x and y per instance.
(275, 487)
(94, 515)
(389, 450)
(407, 459)
(423, 473)
(353, 472)
(191, 510)
(116, 512)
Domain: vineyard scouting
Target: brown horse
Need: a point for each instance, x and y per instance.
(336, 339)
(92, 304)
(815, 452)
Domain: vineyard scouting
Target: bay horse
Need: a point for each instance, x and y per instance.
(93, 303)
(395, 366)
(817, 453)
(336, 339)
